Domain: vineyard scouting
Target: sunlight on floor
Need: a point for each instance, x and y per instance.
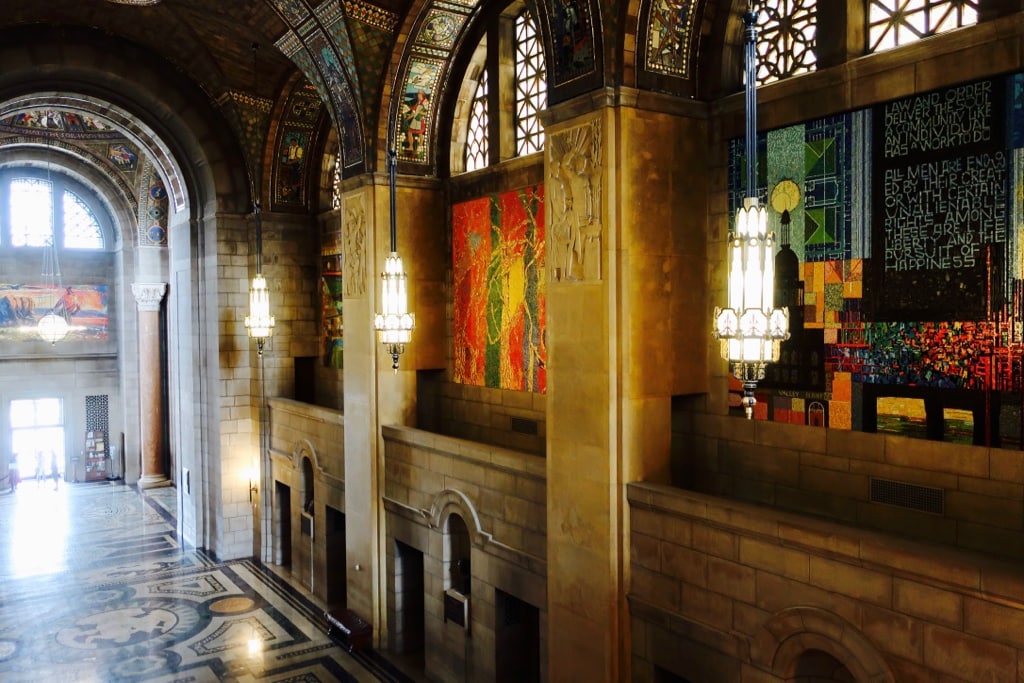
(41, 529)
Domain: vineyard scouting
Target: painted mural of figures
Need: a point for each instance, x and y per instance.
(68, 304)
(414, 119)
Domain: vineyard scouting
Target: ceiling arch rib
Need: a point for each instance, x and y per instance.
(320, 43)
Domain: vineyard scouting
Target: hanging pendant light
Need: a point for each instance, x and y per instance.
(750, 329)
(53, 326)
(395, 324)
(259, 323)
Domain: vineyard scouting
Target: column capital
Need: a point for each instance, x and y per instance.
(149, 294)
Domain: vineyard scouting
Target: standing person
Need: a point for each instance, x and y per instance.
(40, 470)
(54, 470)
(12, 472)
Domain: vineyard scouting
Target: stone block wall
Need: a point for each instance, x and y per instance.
(510, 419)
(500, 495)
(829, 473)
(301, 433)
(727, 591)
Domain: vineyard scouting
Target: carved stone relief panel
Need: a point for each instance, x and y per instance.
(576, 172)
(354, 235)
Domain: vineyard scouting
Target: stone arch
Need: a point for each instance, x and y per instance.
(304, 449)
(154, 102)
(451, 501)
(147, 99)
(785, 637)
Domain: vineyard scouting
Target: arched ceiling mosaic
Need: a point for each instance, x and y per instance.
(353, 52)
(88, 138)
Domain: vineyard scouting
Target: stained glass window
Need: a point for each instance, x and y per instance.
(531, 86)
(81, 229)
(786, 38)
(892, 23)
(476, 140)
(31, 212)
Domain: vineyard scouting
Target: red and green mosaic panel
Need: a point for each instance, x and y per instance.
(498, 252)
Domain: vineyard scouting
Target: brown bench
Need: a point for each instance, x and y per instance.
(350, 630)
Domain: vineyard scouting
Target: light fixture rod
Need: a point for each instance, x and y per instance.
(259, 236)
(750, 63)
(392, 170)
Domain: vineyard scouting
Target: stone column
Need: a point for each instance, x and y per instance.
(627, 317)
(148, 295)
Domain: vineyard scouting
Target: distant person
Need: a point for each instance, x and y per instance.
(54, 470)
(40, 469)
(12, 473)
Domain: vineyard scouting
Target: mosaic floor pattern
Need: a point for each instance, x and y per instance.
(95, 587)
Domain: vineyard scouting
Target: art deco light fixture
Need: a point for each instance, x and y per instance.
(259, 323)
(395, 324)
(751, 329)
(53, 326)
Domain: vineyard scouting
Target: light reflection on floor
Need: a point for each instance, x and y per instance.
(39, 537)
(96, 588)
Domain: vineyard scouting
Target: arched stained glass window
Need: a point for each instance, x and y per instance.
(31, 211)
(786, 38)
(476, 140)
(531, 86)
(502, 94)
(37, 210)
(81, 229)
(892, 23)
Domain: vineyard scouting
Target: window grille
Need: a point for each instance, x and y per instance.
(892, 23)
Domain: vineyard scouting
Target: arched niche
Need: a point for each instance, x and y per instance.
(782, 646)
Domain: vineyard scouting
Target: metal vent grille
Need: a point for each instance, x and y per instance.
(904, 495)
(524, 426)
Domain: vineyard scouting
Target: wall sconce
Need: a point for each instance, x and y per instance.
(254, 488)
(751, 329)
(395, 325)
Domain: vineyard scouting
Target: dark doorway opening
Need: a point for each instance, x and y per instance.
(283, 524)
(409, 633)
(516, 639)
(337, 560)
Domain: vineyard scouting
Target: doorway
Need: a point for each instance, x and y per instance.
(516, 639)
(337, 561)
(283, 524)
(408, 635)
(38, 437)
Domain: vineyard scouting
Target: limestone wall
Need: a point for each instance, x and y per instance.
(511, 419)
(829, 473)
(307, 467)
(500, 495)
(725, 591)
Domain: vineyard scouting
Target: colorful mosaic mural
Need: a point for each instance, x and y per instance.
(333, 326)
(571, 28)
(668, 36)
(291, 158)
(84, 307)
(901, 229)
(349, 124)
(414, 121)
(69, 123)
(498, 252)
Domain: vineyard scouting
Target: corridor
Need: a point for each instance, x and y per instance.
(95, 588)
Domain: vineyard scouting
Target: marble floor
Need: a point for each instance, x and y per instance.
(95, 587)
